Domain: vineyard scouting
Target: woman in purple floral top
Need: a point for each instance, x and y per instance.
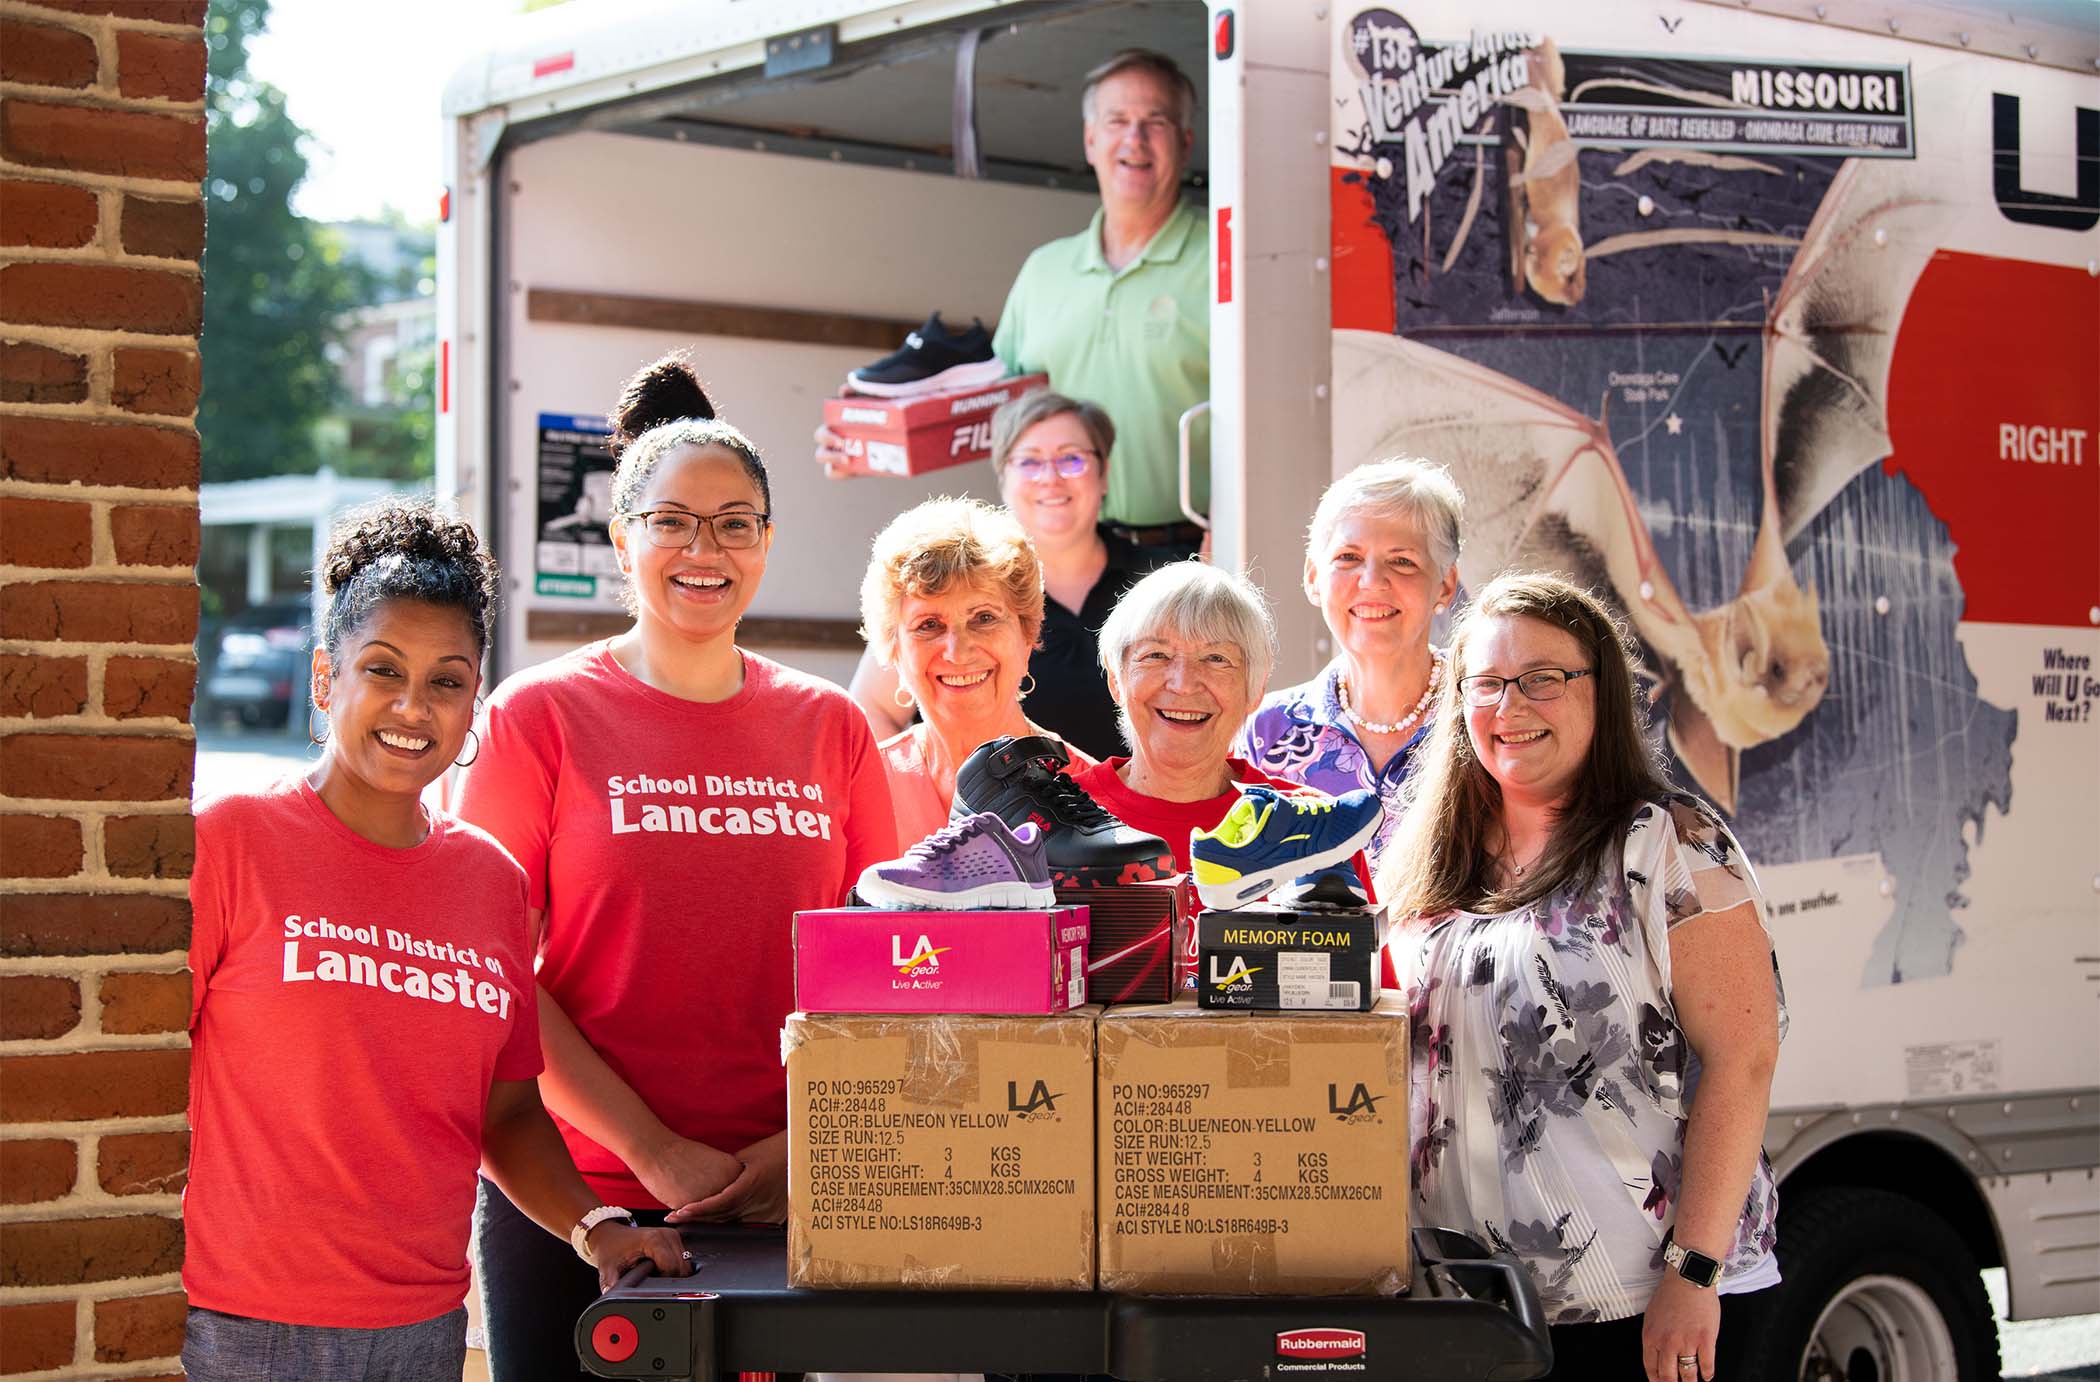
(1381, 562)
(1597, 1008)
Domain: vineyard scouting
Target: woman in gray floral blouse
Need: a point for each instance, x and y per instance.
(1597, 1008)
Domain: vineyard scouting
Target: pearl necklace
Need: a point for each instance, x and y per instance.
(1436, 673)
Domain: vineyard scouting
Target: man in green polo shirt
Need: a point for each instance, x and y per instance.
(1119, 314)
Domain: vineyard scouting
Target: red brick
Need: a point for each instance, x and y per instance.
(190, 12)
(33, 1170)
(58, 452)
(44, 687)
(160, 67)
(31, 373)
(93, 924)
(103, 296)
(136, 688)
(90, 1085)
(46, 55)
(149, 846)
(34, 1338)
(47, 215)
(40, 846)
(37, 1007)
(96, 767)
(136, 1004)
(155, 534)
(87, 139)
(46, 532)
(136, 1328)
(147, 1163)
(66, 1252)
(99, 611)
(154, 381)
(171, 230)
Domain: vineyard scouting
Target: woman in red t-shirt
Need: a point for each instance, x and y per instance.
(362, 1008)
(674, 800)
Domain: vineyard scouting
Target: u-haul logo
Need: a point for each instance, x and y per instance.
(1234, 975)
(923, 959)
(1320, 1343)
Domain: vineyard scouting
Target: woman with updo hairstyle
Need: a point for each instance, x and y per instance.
(362, 1012)
(674, 800)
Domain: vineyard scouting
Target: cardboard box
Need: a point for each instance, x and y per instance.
(867, 960)
(1270, 959)
(1255, 1153)
(1134, 934)
(910, 436)
(942, 1152)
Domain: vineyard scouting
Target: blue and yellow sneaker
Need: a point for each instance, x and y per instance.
(1271, 836)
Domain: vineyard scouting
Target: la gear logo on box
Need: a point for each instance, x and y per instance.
(1361, 1106)
(923, 959)
(1320, 1343)
(1233, 978)
(1039, 1106)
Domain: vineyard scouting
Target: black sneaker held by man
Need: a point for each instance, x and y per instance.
(933, 359)
(1022, 779)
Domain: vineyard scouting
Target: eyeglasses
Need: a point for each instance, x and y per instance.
(1071, 465)
(733, 530)
(1539, 684)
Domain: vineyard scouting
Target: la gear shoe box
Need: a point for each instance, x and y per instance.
(941, 1152)
(866, 960)
(1270, 959)
(1253, 1153)
(910, 436)
(1134, 934)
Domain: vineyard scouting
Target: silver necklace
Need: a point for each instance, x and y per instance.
(1436, 672)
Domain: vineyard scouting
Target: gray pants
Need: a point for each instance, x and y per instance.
(232, 1348)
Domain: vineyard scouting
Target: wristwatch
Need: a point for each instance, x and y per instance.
(1695, 1267)
(579, 1236)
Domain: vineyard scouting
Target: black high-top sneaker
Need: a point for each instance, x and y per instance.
(1017, 779)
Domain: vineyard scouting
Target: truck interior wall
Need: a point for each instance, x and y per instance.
(592, 212)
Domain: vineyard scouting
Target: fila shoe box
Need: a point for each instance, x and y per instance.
(910, 436)
(941, 1152)
(1253, 1154)
(1135, 932)
(868, 960)
(1269, 959)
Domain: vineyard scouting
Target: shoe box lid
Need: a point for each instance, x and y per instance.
(871, 960)
(1135, 934)
(910, 436)
(1281, 959)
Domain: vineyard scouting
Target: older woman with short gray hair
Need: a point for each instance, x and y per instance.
(1381, 562)
(1187, 653)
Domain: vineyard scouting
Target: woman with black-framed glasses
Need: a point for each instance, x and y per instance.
(1051, 453)
(674, 800)
(1596, 1001)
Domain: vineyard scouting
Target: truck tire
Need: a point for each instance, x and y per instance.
(1877, 1288)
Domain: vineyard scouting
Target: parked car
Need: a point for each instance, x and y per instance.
(259, 656)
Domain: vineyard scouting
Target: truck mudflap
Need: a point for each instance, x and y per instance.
(1469, 1314)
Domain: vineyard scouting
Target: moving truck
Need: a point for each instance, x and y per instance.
(1776, 323)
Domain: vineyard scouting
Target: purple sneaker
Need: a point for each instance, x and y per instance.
(974, 864)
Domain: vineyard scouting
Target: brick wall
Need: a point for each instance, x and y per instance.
(101, 228)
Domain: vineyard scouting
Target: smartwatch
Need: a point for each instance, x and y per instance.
(1696, 1267)
(579, 1236)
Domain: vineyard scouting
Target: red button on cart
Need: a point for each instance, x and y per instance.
(615, 1338)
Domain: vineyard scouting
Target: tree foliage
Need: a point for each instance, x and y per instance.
(273, 284)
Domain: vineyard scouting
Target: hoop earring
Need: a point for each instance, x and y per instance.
(902, 697)
(457, 763)
(1027, 686)
(319, 740)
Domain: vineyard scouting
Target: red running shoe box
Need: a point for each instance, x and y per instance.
(910, 436)
(869, 960)
(1137, 931)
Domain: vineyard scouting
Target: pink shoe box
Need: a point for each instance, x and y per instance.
(910, 436)
(868, 960)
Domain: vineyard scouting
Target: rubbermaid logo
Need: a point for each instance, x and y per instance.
(1320, 1343)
